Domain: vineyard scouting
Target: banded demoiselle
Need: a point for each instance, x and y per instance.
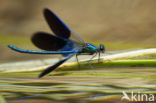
(60, 43)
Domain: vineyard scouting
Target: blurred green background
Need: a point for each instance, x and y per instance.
(118, 24)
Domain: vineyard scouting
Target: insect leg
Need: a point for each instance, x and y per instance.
(99, 58)
(77, 61)
(90, 63)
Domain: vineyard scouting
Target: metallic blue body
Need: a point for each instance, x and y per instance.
(40, 52)
(89, 49)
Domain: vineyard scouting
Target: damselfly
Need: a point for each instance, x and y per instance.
(60, 43)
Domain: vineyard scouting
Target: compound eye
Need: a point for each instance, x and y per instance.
(102, 48)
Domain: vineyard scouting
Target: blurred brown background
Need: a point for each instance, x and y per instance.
(112, 21)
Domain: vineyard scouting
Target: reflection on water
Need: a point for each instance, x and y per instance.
(68, 89)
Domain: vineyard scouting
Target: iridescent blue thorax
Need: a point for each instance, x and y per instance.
(89, 49)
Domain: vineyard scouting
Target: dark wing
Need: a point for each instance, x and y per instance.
(59, 27)
(56, 24)
(47, 41)
(51, 68)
